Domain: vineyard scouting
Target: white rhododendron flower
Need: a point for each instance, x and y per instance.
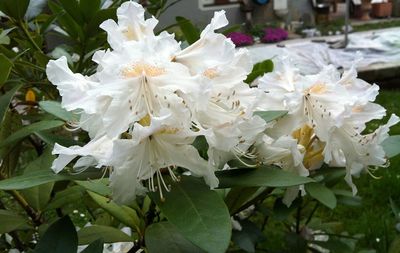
(327, 113)
(149, 100)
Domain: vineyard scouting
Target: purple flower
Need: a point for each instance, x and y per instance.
(274, 35)
(240, 39)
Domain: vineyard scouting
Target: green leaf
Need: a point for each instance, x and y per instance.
(14, 8)
(10, 221)
(60, 237)
(322, 194)
(4, 39)
(101, 15)
(5, 68)
(259, 69)
(164, 237)
(334, 245)
(124, 214)
(72, 8)
(269, 116)
(70, 195)
(99, 186)
(392, 146)
(6, 99)
(263, 176)
(38, 196)
(89, 234)
(30, 129)
(89, 8)
(204, 218)
(31, 179)
(54, 108)
(190, 32)
(95, 247)
(239, 196)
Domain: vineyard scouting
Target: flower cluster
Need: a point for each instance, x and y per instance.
(272, 35)
(241, 39)
(149, 100)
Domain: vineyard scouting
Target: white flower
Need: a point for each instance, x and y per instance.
(327, 114)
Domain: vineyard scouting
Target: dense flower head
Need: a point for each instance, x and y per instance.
(274, 35)
(241, 39)
(149, 100)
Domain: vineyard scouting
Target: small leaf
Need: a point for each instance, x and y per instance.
(31, 179)
(205, 219)
(4, 39)
(54, 108)
(269, 116)
(190, 32)
(108, 234)
(392, 146)
(10, 221)
(124, 215)
(95, 247)
(30, 129)
(322, 194)
(263, 176)
(60, 237)
(6, 99)
(259, 69)
(164, 237)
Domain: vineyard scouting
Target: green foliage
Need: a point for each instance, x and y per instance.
(190, 32)
(107, 234)
(322, 194)
(60, 237)
(263, 176)
(205, 222)
(14, 8)
(164, 237)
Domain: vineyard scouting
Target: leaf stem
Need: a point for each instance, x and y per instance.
(28, 35)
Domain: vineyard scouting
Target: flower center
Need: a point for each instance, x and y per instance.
(317, 89)
(142, 69)
(210, 73)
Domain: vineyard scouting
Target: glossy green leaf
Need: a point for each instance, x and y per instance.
(322, 194)
(31, 179)
(263, 176)
(259, 69)
(30, 129)
(190, 32)
(164, 237)
(14, 8)
(101, 15)
(10, 221)
(108, 234)
(60, 237)
(6, 99)
(54, 108)
(269, 116)
(124, 215)
(204, 218)
(95, 247)
(392, 146)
